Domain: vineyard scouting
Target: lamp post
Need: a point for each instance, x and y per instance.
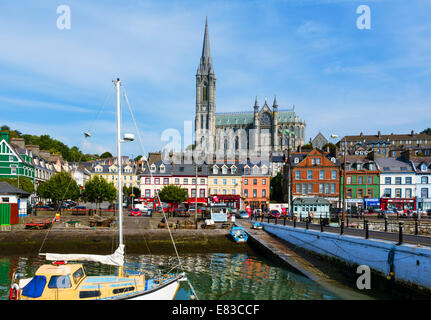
(287, 160)
(344, 175)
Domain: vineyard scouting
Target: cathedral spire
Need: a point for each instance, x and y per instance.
(206, 63)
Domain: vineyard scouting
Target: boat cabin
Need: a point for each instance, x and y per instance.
(219, 212)
(62, 281)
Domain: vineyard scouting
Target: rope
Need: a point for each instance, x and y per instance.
(157, 194)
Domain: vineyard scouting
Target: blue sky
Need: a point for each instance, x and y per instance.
(309, 53)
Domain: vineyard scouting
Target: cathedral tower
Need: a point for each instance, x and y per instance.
(205, 97)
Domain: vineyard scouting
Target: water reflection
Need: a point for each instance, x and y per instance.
(216, 276)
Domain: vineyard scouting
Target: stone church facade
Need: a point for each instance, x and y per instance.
(264, 130)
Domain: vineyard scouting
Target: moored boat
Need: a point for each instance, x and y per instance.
(63, 281)
(238, 234)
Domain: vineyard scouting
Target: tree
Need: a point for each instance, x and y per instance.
(25, 183)
(173, 194)
(105, 155)
(97, 190)
(427, 131)
(276, 190)
(332, 149)
(60, 187)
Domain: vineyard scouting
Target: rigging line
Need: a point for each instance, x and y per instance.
(80, 157)
(157, 194)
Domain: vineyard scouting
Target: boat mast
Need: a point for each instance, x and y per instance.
(120, 189)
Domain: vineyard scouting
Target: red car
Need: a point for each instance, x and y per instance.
(275, 214)
(135, 212)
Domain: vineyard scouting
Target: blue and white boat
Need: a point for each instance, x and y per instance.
(239, 234)
(257, 225)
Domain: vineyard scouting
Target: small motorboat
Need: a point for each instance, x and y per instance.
(257, 226)
(239, 234)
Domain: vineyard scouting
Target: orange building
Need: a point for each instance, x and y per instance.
(255, 186)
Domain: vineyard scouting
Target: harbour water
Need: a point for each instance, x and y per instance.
(215, 276)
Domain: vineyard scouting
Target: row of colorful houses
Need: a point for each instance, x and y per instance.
(388, 183)
(244, 184)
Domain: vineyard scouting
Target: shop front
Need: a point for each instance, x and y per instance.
(371, 203)
(424, 204)
(232, 201)
(398, 203)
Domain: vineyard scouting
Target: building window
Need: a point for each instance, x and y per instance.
(202, 181)
(166, 180)
(234, 182)
(156, 180)
(254, 181)
(202, 193)
(215, 170)
(360, 193)
(398, 180)
(320, 187)
(186, 181)
(310, 188)
(369, 193)
(177, 180)
(215, 181)
(304, 188)
(349, 193)
(370, 179)
(263, 193)
(309, 174)
(313, 161)
(224, 170)
(424, 180)
(388, 180)
(321, 175)
(349, 180)
(297, 175)
(387, 193)
(408, 193)
(408, 180)
(318, 160)
(224, 181)
(246, 181)
(360, 179)
(334, 174)
(147, 193)
(254, 193)
(327, 188)
(424, 193)
(333, 188)
(193, 193)
(247, 170)
(398, 193)
(245, 193)
(263, 181)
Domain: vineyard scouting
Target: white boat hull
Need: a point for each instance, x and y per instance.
(167, 292)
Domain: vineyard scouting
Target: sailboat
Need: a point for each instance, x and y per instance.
(62, 280)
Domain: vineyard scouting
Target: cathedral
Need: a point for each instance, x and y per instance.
(264, 130)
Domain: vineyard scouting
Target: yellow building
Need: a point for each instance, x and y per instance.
(224, 179)
(110, 174)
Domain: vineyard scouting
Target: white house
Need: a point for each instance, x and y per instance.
(422, 168)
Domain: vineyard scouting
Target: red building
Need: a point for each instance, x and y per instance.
(315, 175)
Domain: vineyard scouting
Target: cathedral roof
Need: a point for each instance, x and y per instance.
(233, 118)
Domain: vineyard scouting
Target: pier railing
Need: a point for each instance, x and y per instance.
(410, 230)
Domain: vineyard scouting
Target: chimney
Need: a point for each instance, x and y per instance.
(379, 134)
(34, 149)
(412, 133)
(4, 135)
(45, 154)
(20, 142)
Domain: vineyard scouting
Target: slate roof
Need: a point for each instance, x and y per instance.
(247, 118)
(6, 188)
(391, 165)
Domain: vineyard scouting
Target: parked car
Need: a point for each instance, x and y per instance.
(386, 213)
(242, 214)
(80, 207)
(181, 213)
(275, 214)
(135, 212)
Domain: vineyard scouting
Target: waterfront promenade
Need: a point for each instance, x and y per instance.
(361, 229)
